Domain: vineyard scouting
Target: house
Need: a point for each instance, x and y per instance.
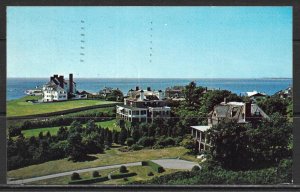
(59, 89)
(238, 112)
(255, 95)
(143, 106)
(105, 91)
(175, 92)
(286, 93)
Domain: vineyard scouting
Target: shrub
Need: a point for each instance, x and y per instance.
(14, 131)
(146, 141)
(136, 147)
(89, 181)
(122, 175)
(96, 174)
(168, 141)
(125, 179)
(150, 174)
(123, 169)
(155, 167)
(144, 163)
(75, 176)
(130, 141)
(196, 168)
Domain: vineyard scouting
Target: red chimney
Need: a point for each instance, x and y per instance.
(71, 83)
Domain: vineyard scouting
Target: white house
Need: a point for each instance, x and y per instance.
(143, 105)
(59, 89)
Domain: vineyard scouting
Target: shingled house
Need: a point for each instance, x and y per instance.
(143, 105)
(238, 112)
(59, 89)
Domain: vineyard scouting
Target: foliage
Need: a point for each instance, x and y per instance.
(14, 131)
(76, 143)
(196, 168)
(89, 181)
(130, 141)
(136, 147)
(123, 169)
(274, 104)
(243, 147)
(216, 175)
(146, 141)
(96, 174)
(122, 136)
(150, 173)
(75, 176)
(154, 166)
(188, 143)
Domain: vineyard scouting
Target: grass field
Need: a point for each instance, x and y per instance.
(19, 107)
(141, 172)
(111, 125)
(112, 156)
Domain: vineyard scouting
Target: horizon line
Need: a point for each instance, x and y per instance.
(159, 77)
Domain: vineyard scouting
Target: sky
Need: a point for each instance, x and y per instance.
(150, 42)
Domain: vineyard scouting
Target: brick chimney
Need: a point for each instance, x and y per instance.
(247, 110)
(71, 88)
(61, 81)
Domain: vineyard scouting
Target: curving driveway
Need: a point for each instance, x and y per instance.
(166, 163)
(175, 163)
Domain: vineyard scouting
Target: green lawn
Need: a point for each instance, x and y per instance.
(112, 156)
(141, 172)
(53, 130)
(20, 107)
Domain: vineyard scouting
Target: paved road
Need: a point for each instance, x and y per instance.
(22, 181)
(175, 163)
(166, 163)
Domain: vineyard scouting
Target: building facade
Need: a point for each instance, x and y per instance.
(59, 89)
(238, 112)
(143, 106)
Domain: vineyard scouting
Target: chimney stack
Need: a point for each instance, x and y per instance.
(137, 88)
(71, 88)
(160, 94)
(247, 109)
(148, 88)
(141, 95)
(61, 81)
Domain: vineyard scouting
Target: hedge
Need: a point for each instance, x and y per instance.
(63, 112)
(122, 175)
(144, 163)
(89, 181)
(154, 166)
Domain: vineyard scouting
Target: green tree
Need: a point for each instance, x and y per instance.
(76, 150)
(122, 136)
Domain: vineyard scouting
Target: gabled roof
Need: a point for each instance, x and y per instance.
(234, 110)
(255, 93)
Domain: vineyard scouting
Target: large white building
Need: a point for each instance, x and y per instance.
(59, 89)
(143, 106)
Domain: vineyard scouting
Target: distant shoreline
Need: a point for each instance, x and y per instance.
(188, 78)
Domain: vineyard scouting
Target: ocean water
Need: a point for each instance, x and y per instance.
(17, 86)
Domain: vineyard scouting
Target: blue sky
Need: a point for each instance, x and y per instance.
(187, 42)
